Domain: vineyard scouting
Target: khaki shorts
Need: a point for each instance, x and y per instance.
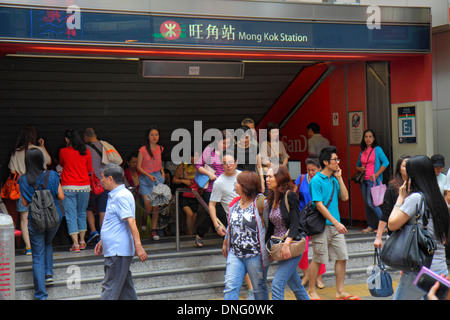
(329, 246)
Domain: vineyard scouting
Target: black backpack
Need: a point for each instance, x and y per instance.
(42, 209)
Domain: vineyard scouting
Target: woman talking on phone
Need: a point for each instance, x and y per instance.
(421, 180)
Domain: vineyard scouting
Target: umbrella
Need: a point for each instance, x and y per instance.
(161, 195)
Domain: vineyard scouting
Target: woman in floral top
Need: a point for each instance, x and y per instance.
(244, 241)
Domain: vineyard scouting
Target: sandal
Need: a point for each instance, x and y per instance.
(349, 297)
(75, 248)
(198, 241)
(82, 245)
(367, 230)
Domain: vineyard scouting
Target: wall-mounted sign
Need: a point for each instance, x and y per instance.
(407, 124)
(78, 26)
(356, 126)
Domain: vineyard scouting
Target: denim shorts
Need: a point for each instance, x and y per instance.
(146, 185)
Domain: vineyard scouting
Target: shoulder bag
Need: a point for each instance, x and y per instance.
(311, 220)
(358, 177)
(297, 246)
(411, 247)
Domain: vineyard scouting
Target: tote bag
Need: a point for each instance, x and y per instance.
(378, 192)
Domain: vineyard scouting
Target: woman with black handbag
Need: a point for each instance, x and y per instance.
(279, 219)
(421, 183)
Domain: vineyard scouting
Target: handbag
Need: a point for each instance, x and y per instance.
(379, 282)
(11, 189)
(96, 185)
(411, 247)
(359, 176)
(311, 220)
(201, 179)
(297, 245)
(377, 192)
(273, 246)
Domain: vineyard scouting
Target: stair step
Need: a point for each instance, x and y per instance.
(167, 274)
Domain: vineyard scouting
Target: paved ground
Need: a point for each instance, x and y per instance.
(357, 288)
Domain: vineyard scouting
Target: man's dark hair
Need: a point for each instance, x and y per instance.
(326, 154)
(115, 171)
(314, 127)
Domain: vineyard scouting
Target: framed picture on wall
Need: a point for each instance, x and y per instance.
(356, 126)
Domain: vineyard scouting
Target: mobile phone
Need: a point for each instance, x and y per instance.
(427, 278)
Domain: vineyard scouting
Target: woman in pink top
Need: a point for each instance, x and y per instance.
(373, 162)
(152, 173)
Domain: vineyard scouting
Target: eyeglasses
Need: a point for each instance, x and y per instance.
(336, 159)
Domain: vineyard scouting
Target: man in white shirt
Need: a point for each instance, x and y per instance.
(223, 190)
(120, 238)
(316, 141)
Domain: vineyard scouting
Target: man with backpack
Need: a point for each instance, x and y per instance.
(102, 153)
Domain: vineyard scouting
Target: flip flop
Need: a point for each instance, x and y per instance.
(349, 297)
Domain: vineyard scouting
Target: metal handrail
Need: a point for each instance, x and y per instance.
(177, 209)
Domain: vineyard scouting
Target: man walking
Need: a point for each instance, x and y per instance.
(223, 192)
(119, 237)
(329, 245)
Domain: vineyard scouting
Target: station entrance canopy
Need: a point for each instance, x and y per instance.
(216, 25)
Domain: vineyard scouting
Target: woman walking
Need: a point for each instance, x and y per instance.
(41, 240)
(421, 183)
(279, 220)
(244, 241)
(26, 140)
(75, 159)
(302, 189)
(373, 162)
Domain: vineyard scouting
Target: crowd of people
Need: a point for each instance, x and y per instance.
(250, 198)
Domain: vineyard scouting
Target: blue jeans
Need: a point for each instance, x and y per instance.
(42, 251)
(373, 214)
(407, 290)
(75, 203)
(236, 270)
(287, 274)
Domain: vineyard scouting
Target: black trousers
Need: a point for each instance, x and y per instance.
(205, 222)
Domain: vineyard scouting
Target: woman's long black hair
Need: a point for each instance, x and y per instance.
(421, 172)
(75, 141)
(34, 164)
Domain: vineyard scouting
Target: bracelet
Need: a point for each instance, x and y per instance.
(397, 205)
(217, 227)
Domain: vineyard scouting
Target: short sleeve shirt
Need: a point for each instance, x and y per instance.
(321, 189)
(223, 190)
(115, 233)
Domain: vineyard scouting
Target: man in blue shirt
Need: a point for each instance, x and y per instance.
(119, 237)
(329, 245)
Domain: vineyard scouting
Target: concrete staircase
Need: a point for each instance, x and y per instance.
(189, 273)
